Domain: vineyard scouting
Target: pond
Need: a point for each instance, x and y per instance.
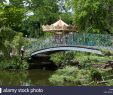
(34, 77)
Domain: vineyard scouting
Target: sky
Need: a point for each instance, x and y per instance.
(7, 2)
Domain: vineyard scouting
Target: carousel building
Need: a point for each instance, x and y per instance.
(60, 29)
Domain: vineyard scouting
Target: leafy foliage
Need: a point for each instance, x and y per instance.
(13, 63)
(107, 52)
(85, 59)
(96, 75)
(11, 42)
(93, 16)
(79, 77)
(70, 75)
(11, 16)
(6, 36)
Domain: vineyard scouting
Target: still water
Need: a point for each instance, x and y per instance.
(25, 78)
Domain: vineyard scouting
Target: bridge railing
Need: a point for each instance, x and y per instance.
(74, 39)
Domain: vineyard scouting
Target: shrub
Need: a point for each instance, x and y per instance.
(24, 65)
(109, 82)
(107, 52)
(96, 75)
(63, 58)
(13, 63)
(70, 75)
(85, 60)
(74, 76)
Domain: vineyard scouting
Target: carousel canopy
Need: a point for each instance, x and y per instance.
(59, 26)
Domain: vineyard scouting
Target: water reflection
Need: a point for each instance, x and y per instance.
(25, 78)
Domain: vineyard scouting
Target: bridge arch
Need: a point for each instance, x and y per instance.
(67, 48)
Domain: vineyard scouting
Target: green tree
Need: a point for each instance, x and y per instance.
(44, 12)
(12, 17)
(6, 37)
(93, 15)
(11, 41)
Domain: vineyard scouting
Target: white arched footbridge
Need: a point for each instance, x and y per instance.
(77, 48)
(84, 42)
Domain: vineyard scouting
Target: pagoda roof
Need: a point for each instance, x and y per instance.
(60, 23)
(59, 26)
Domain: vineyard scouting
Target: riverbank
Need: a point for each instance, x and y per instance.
(72, 76)
(74, 69)
(89, 71)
